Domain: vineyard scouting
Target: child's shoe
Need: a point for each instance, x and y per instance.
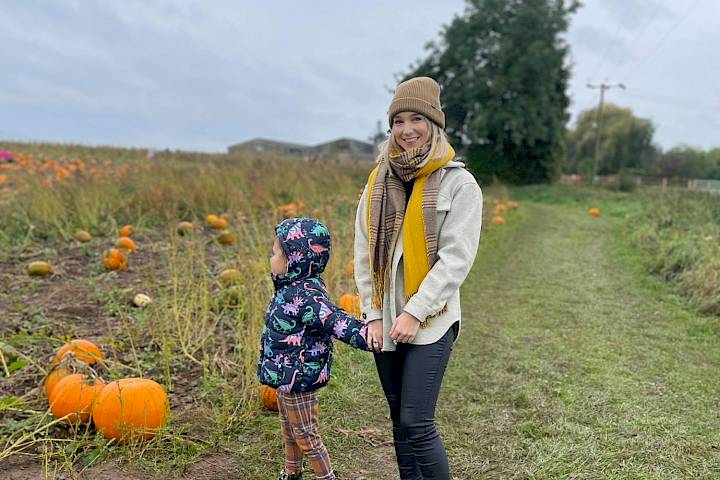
(292, 476)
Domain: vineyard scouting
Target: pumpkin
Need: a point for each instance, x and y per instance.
(498, 220)
(115, 259)
(226, 238)
(184, 228)
(73, 396)
(40, 269)
(126, 231)
(84, 350)
(350, 268)
(126, 243)
(229, 277)
(141, 300)
(351, 304)
(268, 397)
(130, 409)
(55, 375)
(512, 205)
(82, 236)
(594, 212)
(217, 223)
(500, 208)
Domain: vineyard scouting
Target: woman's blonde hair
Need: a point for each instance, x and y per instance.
(439, 144)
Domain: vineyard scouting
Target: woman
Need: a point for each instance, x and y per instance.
(416, 235)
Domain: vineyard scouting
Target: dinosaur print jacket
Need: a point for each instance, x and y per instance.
(300, 321)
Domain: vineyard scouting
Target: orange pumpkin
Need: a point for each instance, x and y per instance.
(84, 350)
(55, 375)
(126, 231)
(351, 304)
(74, 396)
(500, 208)
(498, 220)
(130, 409)
(217, 223)
(512, 205)
(594, 212)
(268, 397)
(115, 259)
(127, 243)
(184, 228)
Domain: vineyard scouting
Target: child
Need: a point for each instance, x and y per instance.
(296, 350)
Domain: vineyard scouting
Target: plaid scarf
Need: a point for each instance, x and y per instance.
(389, 207)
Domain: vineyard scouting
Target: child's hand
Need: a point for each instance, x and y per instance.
(375, 334)
(404, 328)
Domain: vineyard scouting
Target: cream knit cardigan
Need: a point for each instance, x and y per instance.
(459, 218)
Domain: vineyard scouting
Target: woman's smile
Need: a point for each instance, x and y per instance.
(411, 130)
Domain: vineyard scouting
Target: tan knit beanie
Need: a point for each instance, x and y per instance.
(421, 95)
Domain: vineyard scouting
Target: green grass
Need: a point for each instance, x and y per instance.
(573, 362)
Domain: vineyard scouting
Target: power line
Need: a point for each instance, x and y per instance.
(628, 9)
(662, 40)
(641, 31)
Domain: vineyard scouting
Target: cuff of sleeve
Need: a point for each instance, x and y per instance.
(418, 310)
(370, 314)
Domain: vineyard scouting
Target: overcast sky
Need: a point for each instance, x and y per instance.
(202, 75)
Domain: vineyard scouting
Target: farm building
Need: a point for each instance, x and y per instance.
(344, 148)
(340, 149)
(264, 146)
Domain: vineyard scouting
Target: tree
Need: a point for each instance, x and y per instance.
(503, 69)
(713, 157)
(625, 142)
(687, 162)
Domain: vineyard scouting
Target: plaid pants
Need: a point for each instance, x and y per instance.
(299, 417)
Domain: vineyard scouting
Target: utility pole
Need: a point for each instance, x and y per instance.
(598, 121)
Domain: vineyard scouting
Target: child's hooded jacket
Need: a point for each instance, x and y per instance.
(300, 321)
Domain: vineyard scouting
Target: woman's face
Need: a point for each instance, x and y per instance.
(278, 260)
(410, 130)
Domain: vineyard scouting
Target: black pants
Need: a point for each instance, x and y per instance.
(411, 377)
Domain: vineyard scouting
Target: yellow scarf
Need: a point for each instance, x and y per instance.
(416, 257)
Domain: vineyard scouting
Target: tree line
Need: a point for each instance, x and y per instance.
(626, 146)
(504, 69)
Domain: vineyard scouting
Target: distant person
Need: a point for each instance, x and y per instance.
(297, 346)
(417, 231)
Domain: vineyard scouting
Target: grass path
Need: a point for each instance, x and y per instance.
(572, 363)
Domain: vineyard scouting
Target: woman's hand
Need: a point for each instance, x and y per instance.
(404, 328)
(375, 334)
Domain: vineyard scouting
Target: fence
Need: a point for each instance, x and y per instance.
(664, 183)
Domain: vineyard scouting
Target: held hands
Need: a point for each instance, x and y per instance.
(404, 328)
(375, 334)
